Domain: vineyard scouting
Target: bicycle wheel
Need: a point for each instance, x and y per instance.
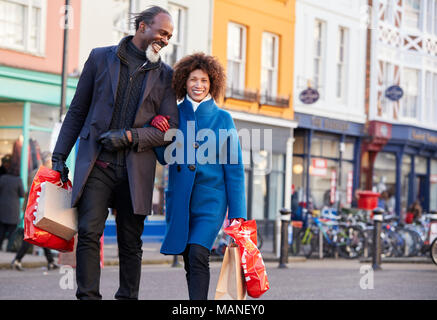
(304, 243)
(411, 246)
(351, 242)
(433, 251)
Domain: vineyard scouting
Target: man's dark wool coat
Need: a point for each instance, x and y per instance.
(90, 115)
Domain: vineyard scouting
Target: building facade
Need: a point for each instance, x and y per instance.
(31, 46)
(254, 40)
(329, 83)
(400, 150)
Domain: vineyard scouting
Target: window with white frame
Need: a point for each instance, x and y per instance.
(22, 25)
(176, 47)
(342, 53)
(429, 96)
(269, 67)
(430, 15)
(435, 17)
(121, 19)
(412, 14)
(236, 63)
(319, 55)
(410, 103)
(388, 70)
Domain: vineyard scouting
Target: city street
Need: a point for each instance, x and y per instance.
(311, 280)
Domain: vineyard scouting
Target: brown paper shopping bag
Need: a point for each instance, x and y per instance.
(231, 284)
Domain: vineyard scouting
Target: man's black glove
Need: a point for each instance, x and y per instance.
(58, 164)
(114, 140)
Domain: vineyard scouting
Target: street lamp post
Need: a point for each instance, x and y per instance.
(64, 60)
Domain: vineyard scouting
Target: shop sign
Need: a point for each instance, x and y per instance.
(394, 93)
(319, 167)
(309, 96)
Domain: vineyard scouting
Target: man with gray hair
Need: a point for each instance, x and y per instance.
(122, 90)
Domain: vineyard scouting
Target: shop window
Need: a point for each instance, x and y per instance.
(276, 186)
(299, 144)
(325, 146)
(406, 169)
(348, 153)
(299, 177)
(433, 187)
(320, 185)
(384, 173)
(11, 116)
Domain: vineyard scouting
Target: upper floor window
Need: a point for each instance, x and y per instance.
(269, 71)
(22, 25)
(236, 63)
(319, 55)
(410, 101)
(175, 48)
(341, 63)
(431, 16)
(412, 14)
(120, 21)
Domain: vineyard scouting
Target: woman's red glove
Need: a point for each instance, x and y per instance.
(161, 123)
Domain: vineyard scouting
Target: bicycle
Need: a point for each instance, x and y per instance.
(347, 240)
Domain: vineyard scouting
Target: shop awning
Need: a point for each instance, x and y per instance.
(33, 86)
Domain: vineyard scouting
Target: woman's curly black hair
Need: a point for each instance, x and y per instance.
(207, 64)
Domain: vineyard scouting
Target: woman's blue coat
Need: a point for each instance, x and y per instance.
(199, 194)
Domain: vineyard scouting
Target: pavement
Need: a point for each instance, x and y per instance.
(151, 256)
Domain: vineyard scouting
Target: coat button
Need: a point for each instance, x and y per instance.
(179, 168)
(192, 167)
(196, 145)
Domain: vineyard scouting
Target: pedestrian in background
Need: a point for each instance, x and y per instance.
(199, 194)
(11, 190)
(24, 248)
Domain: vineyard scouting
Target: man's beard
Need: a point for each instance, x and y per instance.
(151, 55)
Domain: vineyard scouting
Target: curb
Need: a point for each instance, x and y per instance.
(167, 261)
(400, 260)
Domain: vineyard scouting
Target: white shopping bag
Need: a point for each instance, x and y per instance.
(54, 213)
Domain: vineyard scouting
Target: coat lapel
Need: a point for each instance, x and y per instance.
(114, 70)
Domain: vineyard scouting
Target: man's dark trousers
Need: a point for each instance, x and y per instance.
(108, 187)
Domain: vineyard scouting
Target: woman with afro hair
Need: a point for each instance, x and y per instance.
(208, 180)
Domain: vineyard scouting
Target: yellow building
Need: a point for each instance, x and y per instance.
(255, 42)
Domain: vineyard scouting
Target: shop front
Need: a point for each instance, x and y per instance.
(407, 168)
(326, 162)
(29, 111)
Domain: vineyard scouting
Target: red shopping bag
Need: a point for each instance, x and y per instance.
(254, 269)
(33, 234)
